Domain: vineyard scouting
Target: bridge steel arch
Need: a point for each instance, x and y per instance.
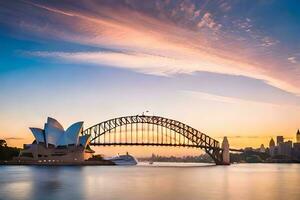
(168, 132)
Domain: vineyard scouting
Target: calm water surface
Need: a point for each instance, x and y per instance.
(159, 181)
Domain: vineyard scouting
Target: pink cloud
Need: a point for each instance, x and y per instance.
(157, 46)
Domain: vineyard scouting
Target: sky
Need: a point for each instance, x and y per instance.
(227, 68)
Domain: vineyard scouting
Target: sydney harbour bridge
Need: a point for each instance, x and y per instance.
(145, 130)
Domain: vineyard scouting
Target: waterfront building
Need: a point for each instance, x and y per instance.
(296, 150)
(54, 144)
(262, 148)
(298, 136)
(296, 147)
(288, 148)
(275, 151)
(285, 148)
(248, 149)
(272, 147)
(271, 143)
(279, 140)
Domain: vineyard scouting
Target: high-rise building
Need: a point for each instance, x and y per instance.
(272, 147)
(279, 140)
(285, 148)
(271, 143)
(298, 136)
(296, 150)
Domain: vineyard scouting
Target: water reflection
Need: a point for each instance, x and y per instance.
(244, 181)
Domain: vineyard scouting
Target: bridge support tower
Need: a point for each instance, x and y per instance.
(225, 152)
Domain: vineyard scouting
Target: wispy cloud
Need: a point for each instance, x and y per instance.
(151, 63)
(292, 59)
(13, 138)
(230, 100)
(207, 21)
(159, 44)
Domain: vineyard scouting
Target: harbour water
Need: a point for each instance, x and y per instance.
(160, 181)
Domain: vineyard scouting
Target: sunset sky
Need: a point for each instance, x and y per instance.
(227, 68)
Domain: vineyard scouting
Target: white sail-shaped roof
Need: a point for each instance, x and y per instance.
(73, 132)
(38, 134)
(54, 123)
(84, 140)
(71, 135)
(55, 134)
(62, 141)
(53, 131)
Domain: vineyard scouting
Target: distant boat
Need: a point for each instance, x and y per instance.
(123, 160)
(151, 162)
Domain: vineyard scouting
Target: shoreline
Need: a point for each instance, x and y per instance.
(34, 163)
(107, 163)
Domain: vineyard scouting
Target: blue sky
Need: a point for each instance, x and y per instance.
(224, 67)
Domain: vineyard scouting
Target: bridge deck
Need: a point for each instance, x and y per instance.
(151, 144)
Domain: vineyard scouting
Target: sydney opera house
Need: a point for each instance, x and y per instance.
(54, 144)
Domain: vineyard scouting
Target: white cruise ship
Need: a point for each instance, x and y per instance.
(123, 160)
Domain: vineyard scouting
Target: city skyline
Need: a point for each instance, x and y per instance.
(223, 67)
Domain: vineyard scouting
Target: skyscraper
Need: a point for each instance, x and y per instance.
(298, 136)
(271, 143)
(279, 140)
(285, 148)
(272, 147)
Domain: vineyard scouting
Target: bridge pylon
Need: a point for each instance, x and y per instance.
(225, 152)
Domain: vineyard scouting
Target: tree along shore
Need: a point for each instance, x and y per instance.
(6, 152)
